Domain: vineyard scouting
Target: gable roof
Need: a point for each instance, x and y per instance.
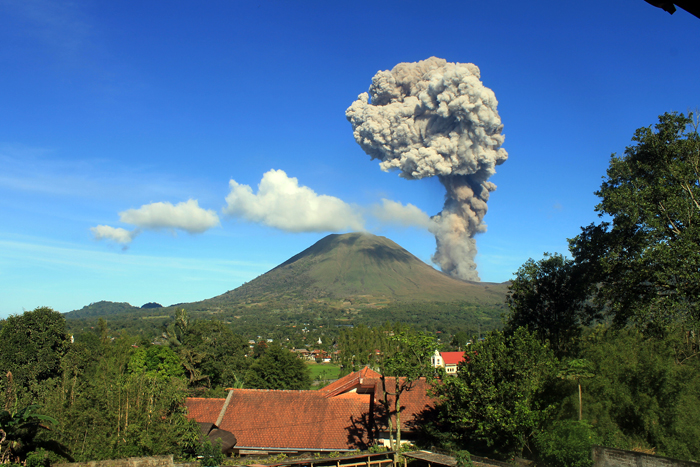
(359, 380)
(341, 416)
(452, 358)
(296, 420)
(413, 402)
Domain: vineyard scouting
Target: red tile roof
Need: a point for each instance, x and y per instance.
(340, 416)
(452, 358)
(413, 402)
(365, 378)
(301, 420)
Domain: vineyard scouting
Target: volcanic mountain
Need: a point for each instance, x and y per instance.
(359, 267)
(341, 280)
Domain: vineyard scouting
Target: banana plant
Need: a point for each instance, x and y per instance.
(19, 434)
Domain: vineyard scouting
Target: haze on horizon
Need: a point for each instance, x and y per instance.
(169, 153)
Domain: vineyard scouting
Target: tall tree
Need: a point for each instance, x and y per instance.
(211, 352)
(647, 258)
(116, 401)
(639, 397)
(576, 370)
(32, 345)
(404, 361)
(550, 297)
(361, 346)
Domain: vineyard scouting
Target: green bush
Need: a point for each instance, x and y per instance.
(38, 458)
(464, 459)
(567, 444)
(210, 454)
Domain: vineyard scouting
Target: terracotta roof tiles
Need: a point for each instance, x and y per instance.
(337, 417)
(303, 420)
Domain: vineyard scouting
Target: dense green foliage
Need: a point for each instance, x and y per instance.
(645, 260)
(104, 396)
(566, 443)
(305, 323)
(32, 346)
(278, 368)
(640, 395)
(513, 398)
(550, 297)
(494, 405)
(19, 431)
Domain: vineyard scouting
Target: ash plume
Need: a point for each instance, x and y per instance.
(434, 118)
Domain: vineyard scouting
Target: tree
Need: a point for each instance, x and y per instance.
(646, 259)
(278, 368)
(119, 401)
(459, 340)
(494, 405)
(575, 370)
(566, 444)
(361, 346)
(32, 345)
(550, 297)
(156, 361)
(639, 397)
(211, 351)
(404, 361)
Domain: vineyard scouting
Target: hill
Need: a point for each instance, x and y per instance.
(102, 309)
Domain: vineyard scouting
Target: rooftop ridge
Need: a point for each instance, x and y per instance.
(304, 391)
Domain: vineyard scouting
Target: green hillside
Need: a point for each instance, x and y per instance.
(102, 309)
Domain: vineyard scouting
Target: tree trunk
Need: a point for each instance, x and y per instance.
(387, 407)
(397, 411)
(580, 403)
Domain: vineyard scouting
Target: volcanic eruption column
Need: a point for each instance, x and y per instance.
(434, 118)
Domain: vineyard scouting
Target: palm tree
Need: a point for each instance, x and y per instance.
(577, 369)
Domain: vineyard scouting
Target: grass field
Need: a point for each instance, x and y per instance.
(323, 371)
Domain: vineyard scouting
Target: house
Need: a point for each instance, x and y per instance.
(301, 353)
(343, 416)
(447, 360)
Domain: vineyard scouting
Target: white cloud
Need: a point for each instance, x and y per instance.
(187, 216)
(116, 234)
(283, 204)
(392, 212)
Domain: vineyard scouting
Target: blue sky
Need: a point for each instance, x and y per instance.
(137, 115)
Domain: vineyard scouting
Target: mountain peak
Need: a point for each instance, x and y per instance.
(358, 264)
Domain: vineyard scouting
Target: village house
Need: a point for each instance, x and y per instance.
(447, 360)
(343, 416)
